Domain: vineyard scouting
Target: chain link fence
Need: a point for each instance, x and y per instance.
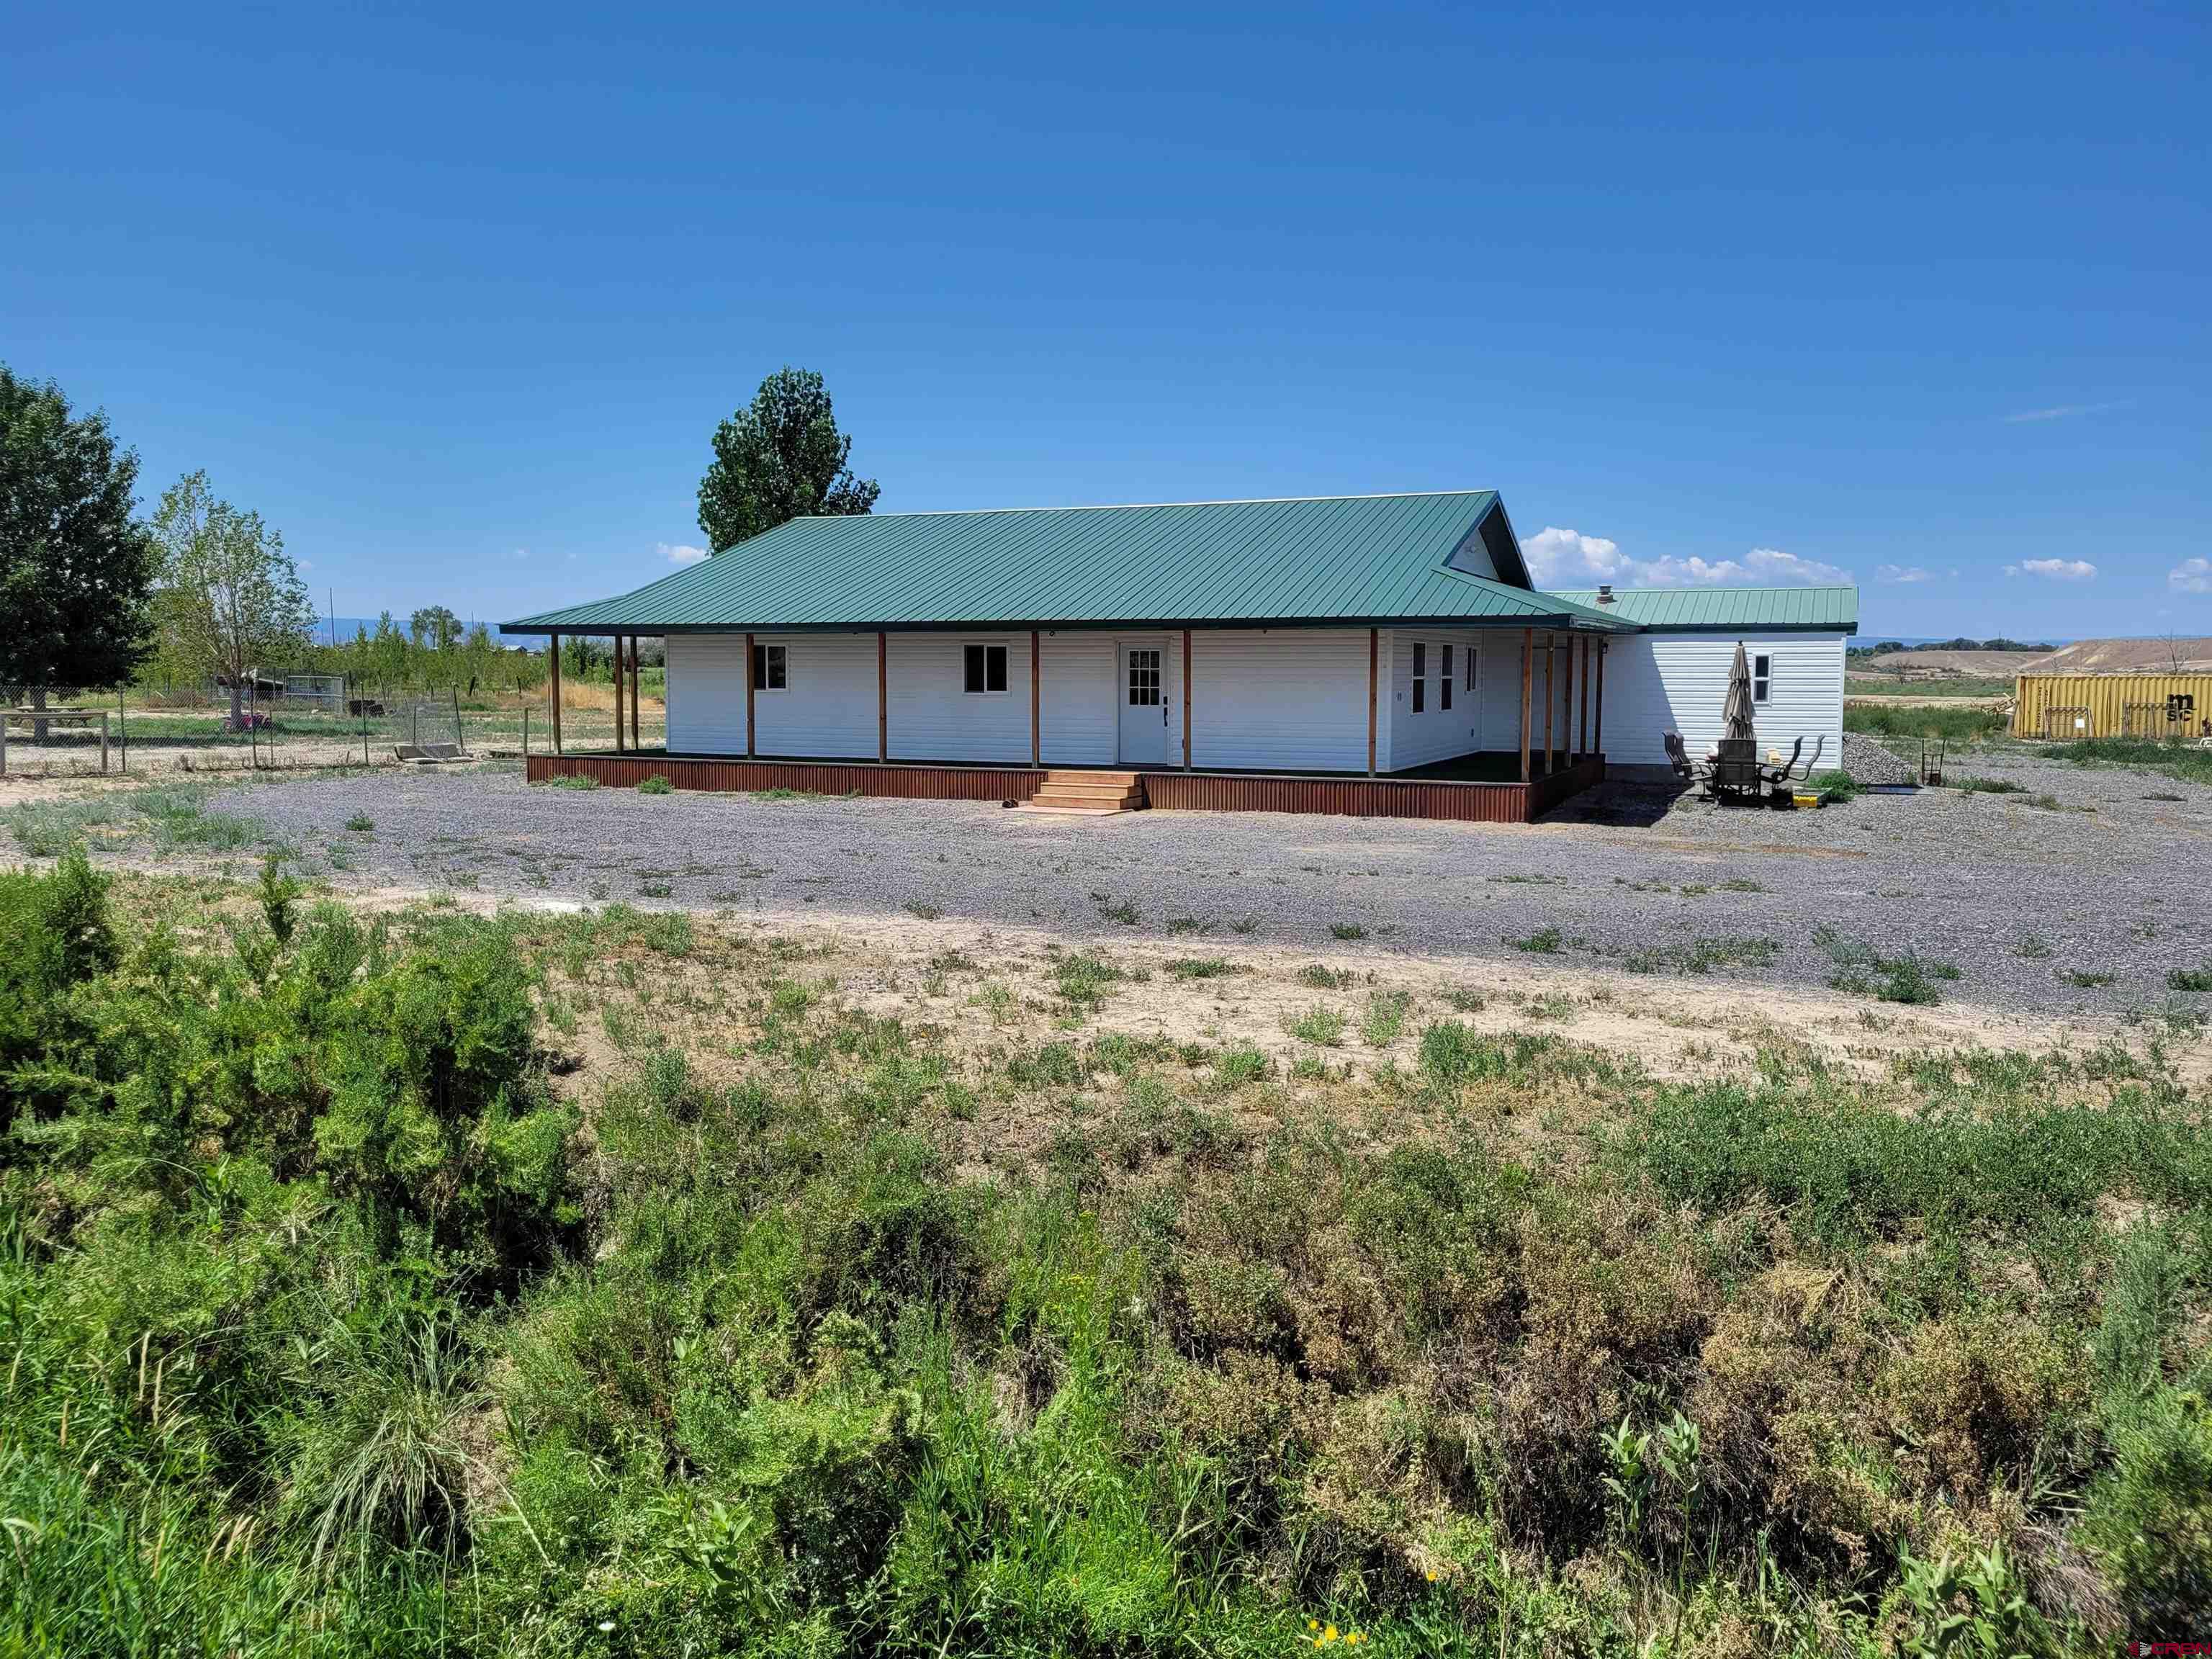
(163, 730)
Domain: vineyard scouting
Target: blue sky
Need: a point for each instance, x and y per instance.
(456, 301)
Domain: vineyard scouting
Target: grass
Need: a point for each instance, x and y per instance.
(573, 781)
(361, 824)
(1839, 787)
(171, 816)
(1544, 942)
(1084, 978)
(1386, 1017)
(2189, 764)
(1346, 930)
(2084, 979)
(1319, 1024)
(1704, 956)
(656, 784)
(1201, 967)
(1989, 787)
(349, 1312)
(2195, 980)
(923, 912)
(1900, 720)
(1122, 911)
(1910, 978)
(1320, 976)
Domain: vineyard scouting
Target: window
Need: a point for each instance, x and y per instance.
(1420, 676)
(1470, 670)
(770, 668)
(1762, 678)
(1144, 679)
(1444, 680)
(985, 669)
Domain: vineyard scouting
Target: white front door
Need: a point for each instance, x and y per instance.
(1143, 694)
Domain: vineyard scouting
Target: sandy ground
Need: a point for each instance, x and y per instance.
(937, 972)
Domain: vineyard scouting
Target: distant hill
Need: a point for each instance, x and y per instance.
(2174, 656)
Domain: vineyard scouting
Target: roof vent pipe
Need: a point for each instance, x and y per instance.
(1605, 593)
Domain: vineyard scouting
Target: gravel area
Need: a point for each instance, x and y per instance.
(1869, 762)
(2104, 877)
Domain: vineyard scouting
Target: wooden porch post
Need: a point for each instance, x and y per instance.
(1567, 709)
(553, 661)
(618, 693)
(1185, 700)
(636, 690)
(1603, 647)
(748, 696)
(1036, 737)
(1581, 744)
(1551, 702)
(1374, 656)
(882, 697)
(1527, 651)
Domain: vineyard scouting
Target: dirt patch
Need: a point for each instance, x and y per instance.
(989, 987)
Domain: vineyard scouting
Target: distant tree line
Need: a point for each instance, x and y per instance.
(203, 591)
(1889, 647)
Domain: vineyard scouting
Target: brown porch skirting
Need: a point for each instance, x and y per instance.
(1168, 791)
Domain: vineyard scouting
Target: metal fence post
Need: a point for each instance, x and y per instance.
(122, 729)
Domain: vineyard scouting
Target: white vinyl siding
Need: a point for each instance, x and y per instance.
(706, 675)
(828, 707)
(934, 717)
(1284, 699)
(1079, 693)
(1657, 682)
(1434, 733)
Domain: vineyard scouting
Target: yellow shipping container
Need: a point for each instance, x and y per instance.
(2065, 707)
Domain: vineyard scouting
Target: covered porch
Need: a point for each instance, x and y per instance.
(1551, 680)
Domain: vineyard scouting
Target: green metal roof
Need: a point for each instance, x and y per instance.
(1363, 559)
(1824, 610)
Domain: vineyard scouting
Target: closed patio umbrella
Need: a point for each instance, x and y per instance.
(1735, 715)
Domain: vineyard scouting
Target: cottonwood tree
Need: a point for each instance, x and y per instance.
(74, 568)
(434, 628)
(781, 457)
(234, 600)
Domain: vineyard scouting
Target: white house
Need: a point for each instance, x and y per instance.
(1338, 638)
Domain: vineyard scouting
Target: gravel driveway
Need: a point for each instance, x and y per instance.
(2017, 896)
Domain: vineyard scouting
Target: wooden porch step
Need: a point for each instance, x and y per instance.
(1098, 793)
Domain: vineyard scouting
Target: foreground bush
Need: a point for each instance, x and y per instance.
(329, 1330)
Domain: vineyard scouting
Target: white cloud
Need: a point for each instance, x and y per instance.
(678, 554)
(2057, 570)
(1902, 573)
(2190, 576)
(521, 553)
(1567, 558)
(2062, 411)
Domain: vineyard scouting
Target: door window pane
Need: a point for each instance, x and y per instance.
(1420, 677)
(770, 668)
(1445, 679)
(1144, 679)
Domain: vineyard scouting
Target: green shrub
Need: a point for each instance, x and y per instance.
(657, 784)
(1905, 721)
(2150, 1518)
(54, 936)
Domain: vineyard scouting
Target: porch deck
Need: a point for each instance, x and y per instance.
(1479, 788)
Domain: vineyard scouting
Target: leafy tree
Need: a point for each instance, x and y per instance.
(435, 626)
(781, 457)
(236, 601)
(75, 568)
